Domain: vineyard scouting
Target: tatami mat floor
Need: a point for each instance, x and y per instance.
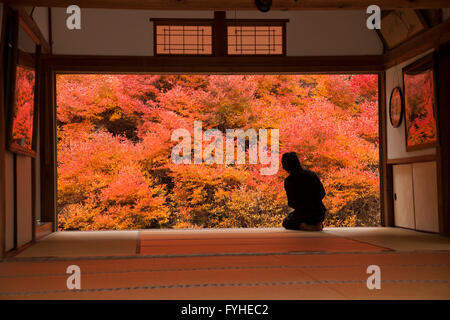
(232, 264)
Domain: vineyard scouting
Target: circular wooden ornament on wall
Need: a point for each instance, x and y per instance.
(396, 107)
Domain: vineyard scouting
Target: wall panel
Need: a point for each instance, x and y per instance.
(24, 200)
(416, 196)
(38, 177)
(426, 196)
(404, 202)
(9, 199)
(445, 13)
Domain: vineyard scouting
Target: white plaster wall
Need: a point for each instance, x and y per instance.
(396, 143)
(129, 32)
(111, 32)
(25, 43)
(322, 33)
(40, 16)
(445, 13)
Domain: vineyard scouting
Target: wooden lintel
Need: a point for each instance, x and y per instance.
(424, 158)
(238, 4)
(163, 64)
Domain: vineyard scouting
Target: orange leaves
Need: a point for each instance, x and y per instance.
(114, 147)
(365, 87)
(420, 122)
(101, 175)
(336, 89)
(22, 127)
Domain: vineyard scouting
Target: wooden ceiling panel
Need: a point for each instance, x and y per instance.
(238, 4)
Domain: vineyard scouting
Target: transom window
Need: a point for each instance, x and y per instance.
(219, 36)
(183, 39)
(254, 40)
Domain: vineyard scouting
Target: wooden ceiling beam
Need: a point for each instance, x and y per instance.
(238, 4)
(32, 29)
(241, 65)
(432, 38)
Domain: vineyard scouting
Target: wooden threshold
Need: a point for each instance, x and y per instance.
(13, 252)
(43, 229)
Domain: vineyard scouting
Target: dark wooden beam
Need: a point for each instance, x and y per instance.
(50, 30)
(424, 158)
(113, 64)
(443, 151)
(220, 34)
(26, 59)
(162, 64)
(34, 168)
(386, 181)
(47, 143)
(238, 4)
(2, 142)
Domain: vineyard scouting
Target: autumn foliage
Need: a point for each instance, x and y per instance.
(114, 147)
(420, 122)
(22, 127)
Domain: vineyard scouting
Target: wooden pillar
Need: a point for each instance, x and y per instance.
(220, 34)
(37, 85)
(2, 141)
(443, 151)
(386, 182)
(47, 139)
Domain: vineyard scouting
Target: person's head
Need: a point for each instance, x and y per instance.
(290, 162)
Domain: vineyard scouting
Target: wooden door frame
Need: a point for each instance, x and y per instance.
(2, 141)
(443, 149)
(54, 64)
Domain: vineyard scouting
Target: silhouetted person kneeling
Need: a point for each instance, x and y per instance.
(305, 193)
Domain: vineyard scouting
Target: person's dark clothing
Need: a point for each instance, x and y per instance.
(305, 193)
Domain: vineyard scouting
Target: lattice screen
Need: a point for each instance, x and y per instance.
(254, 40)
(180, 39)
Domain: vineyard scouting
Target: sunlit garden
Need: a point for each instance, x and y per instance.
(115, 142)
